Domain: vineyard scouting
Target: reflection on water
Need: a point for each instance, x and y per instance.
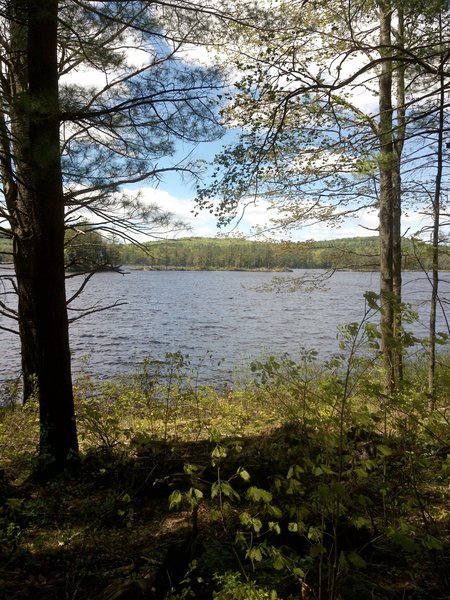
(222, 313)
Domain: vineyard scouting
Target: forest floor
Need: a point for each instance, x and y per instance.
(292, 488)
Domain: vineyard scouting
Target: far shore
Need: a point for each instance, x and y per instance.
(253, 270)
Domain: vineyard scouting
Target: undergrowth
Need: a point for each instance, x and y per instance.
(308, 482)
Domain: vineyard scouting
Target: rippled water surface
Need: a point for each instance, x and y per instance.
(222, 313)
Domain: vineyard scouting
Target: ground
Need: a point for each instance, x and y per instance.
(273, 491)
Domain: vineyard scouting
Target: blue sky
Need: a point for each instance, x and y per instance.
(177, 195)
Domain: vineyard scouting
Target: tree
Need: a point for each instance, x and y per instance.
(432, 127)
(33, 190)
(65, 150)
(389, 200)
(309, 144)
(86, 250)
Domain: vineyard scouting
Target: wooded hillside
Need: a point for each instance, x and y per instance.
(359, 253)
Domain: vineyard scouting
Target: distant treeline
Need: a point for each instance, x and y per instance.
(358, 253)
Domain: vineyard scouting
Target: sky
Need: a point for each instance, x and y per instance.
(180, 200)
(177, 195)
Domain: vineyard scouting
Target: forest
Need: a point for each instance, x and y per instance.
(310, 479)
(359, 254)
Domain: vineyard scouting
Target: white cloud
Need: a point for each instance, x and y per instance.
(88, 78)
(257, 218)
(258, 215)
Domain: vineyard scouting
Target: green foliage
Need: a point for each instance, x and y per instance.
(19, 433)
(233, 588)
(10, 528)
(306, 480)
(318, 518)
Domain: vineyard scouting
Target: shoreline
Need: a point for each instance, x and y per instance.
(207, 269)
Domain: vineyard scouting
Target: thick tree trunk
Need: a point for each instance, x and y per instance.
(38, 225)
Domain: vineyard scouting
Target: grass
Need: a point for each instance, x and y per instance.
(306, 483)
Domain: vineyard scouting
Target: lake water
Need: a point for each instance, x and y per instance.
(215, 316)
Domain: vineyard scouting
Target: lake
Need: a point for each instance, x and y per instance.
(227, 316)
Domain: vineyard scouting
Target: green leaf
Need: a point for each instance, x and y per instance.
(278, 563)
(384, 450)
(190, 469)
(175, 499)
(245, 518)
(315, 534)
(250, 522)
(432, 543)
(254, 554)
(243, 473)
(275, 511)
(256, 494)
(405, 542)
(372, 300)
(256, 524)
(239, 539)
(225, 489)
(14, 503)
(356, 560)
(361, 473)
(300, 573)
(219, 452)
(215, 515)
(194, 496)
(294, 471)
(361, 522)
(274, 526)
(317, 550)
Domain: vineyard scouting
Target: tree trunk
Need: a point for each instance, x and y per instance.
(399, 142)
(15, 149)
(386, 167)
(38, 228)
(435, 236)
